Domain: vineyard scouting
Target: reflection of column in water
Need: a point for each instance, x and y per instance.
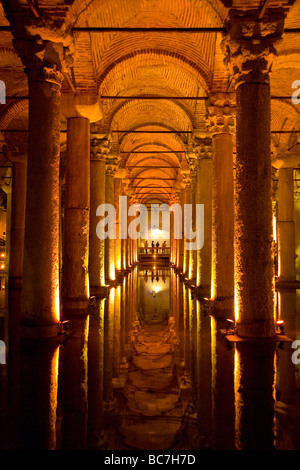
(286, 381)
(222, 390)
(95, 373)
(123, 317)
(108, 347)
(186, 328)
(203, 382)
(192, 336)
(39, 385)
(254, 395)
(180, 319)
(117, 327)
(74, 385)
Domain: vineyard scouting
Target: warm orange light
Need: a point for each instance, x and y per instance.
(236, 302)
(112, 272)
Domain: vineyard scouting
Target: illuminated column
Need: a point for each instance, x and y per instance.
(180, 259)
(192, 264)
(286, 225)
(110, 272)
(75, 282)
(117, 190)
(124, 247)
(100, 147)
(221, 123)
(40, 290)
(203, 150)
(177, 241)
(249, 57)
(187, 200)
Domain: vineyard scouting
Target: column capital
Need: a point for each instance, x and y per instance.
(43, 60)
(100, 147)
(286, 158)
(249, 46)
(111, 165)
(45, 44)
(202, 147)
(220, 113)
(192, 161)
(187, 180)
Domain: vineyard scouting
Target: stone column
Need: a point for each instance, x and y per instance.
(187, 200)
(180, 259)
(249, 51)
(192, 254)
(118, 241)
(286, 225)
(40, 292)
(75, 282)
(221, 124)
(203, 150)
(100, 147)
(79, 110)
(110, 270)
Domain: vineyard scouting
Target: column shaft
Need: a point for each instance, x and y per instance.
(97, 194)
(40, 293)
(223, 220)
(109, 242)
(253, 202)
(76, 218)
(286, 225)
(204, 196)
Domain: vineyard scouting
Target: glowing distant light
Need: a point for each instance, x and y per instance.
(2, 266)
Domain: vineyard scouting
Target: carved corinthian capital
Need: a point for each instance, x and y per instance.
(45, 45)
(220, 109)
(202, 147)
(249, 46)
(100, 147)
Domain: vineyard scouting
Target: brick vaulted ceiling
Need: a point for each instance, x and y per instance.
(158, 64)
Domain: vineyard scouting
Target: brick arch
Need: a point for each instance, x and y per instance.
(141, 112)
(111, 47)
(120, 13)
(175, 67)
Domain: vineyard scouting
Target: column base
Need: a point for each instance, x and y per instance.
(100, 292)
(203, 291)
(54, 333)
(256, 329)
(75, 307)
(285, 284)
(223, 307)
